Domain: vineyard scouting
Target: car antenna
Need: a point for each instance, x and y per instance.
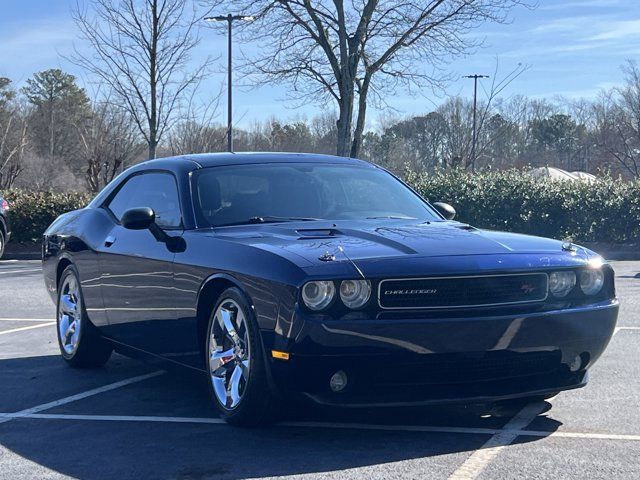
(352, 262)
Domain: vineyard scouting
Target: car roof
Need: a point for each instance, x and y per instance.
(185, 164)
(205, 160)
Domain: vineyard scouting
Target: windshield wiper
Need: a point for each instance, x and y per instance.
(273, 219)
(393, 217)
(268, 219)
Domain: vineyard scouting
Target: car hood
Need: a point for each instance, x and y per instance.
(358, 241)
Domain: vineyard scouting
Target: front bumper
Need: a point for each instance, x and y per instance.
(404, 361)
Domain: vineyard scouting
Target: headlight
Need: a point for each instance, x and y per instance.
(355, 293)
(318, 295)
(591, 281)
(561, 283)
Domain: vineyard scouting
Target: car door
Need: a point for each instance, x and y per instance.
(137, 270)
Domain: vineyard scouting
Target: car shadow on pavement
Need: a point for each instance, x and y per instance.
(108, 447)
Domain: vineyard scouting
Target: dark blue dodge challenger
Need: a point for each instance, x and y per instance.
(280, 274)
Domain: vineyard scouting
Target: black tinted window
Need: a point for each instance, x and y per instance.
(235, 194)
(154, 190)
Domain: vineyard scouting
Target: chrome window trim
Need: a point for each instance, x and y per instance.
(546, 275)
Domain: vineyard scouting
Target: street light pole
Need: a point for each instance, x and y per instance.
(229, 19)
(230, 88)
(475, 106)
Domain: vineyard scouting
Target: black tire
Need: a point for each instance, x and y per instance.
(90, 349)
(257, 404)
(3, 242)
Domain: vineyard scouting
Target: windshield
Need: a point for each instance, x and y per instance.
(240, 194)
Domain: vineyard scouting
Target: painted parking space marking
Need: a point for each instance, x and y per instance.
(478, 461)
(329, 425)
(80, 396)
(30, 327)
(115, 418)
(25, 270)
(587, 436)
(631, 329)
(25, 320)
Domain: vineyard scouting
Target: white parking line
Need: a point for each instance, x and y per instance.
(588, 436)
(116, 418)
(25, 320)
(80, 396)
(30, 327)
(25, 270)
(478, 461)
(516, 432)
(626, 328)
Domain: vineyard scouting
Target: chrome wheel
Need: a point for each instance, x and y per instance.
(70, 315)
(229, 354)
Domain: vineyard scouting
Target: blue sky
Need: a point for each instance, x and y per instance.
(574, 48)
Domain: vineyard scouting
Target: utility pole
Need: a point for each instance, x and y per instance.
(475, 106)
(229, 19)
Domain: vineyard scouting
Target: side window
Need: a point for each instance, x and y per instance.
(154, 190)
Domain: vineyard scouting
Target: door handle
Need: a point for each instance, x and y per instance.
(109, 241)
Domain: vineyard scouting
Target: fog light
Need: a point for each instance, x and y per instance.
(338, 381)
(576, 364)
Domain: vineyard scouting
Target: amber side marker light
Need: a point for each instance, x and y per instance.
(279, 355)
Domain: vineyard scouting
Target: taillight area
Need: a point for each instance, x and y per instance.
(4, 205)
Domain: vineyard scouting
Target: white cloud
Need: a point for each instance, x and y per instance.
(40, 34)
(565, 25)
(563, 4)
(619, 30)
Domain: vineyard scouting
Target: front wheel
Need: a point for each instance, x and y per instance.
(2, 243)
(79, 340)
(237, 374)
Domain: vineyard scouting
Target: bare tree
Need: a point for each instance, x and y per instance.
(487, 138)
(197, 130)
(618, 115)
(109, 142)
(13, 135)
(142, 49)
(457, 112)
(353, 52)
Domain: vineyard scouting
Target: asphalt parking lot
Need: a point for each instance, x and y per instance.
(130, 420)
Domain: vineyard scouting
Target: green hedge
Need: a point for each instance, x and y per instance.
(607, 211)
(32, 212)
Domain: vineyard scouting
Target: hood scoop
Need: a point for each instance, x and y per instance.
(316, 233)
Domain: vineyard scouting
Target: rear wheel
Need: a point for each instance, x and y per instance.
(79, 340)
(2, 242)
(238, 381)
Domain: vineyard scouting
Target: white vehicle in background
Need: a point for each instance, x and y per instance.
(553, 173)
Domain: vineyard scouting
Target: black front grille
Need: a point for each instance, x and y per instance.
(457, 292)
(463, 368)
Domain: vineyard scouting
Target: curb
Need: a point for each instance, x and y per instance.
(22, 251)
